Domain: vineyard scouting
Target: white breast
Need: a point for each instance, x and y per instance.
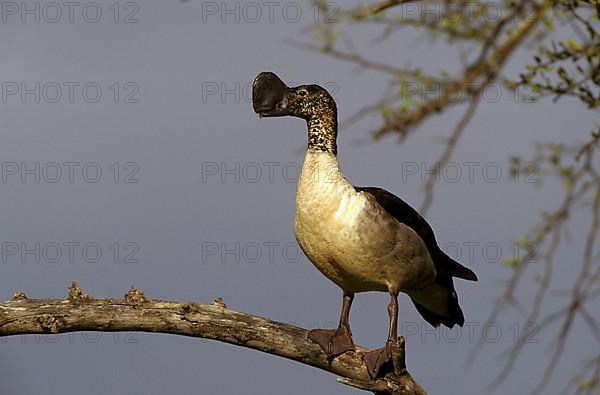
(349, 237)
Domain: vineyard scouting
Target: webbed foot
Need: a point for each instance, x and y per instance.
(333, 341)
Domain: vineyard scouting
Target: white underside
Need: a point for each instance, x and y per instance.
(350, 238)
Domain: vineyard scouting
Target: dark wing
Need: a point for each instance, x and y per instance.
(404, 213)
(407, 215)
(445, 267)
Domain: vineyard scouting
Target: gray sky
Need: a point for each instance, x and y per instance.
(160, 107)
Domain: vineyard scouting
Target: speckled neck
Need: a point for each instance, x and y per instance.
(322, 131)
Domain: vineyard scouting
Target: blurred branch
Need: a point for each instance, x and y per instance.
(356, 58)
(580, 180)
(467, 33)
(81, 312)
(450, 147)
(583, 384)
(486, 67)
(376, 8)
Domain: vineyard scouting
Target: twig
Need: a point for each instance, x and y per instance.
(376, 8)
(450, 146)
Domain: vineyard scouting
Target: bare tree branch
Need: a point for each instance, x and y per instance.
(81, 312)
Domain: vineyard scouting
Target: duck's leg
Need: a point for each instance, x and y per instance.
(375, 359)
(336, 341)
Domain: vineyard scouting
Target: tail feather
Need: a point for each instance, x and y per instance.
(435, 319)
(458, 270)
(438, 304)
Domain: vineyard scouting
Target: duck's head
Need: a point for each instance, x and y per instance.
(271, 97)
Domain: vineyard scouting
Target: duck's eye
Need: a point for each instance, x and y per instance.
(302, 93)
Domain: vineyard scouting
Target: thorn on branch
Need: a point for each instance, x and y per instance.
(219, 303)
(19, 296)
(76, 294)
(135, 297)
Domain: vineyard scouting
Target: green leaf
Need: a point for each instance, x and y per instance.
(572, 44)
